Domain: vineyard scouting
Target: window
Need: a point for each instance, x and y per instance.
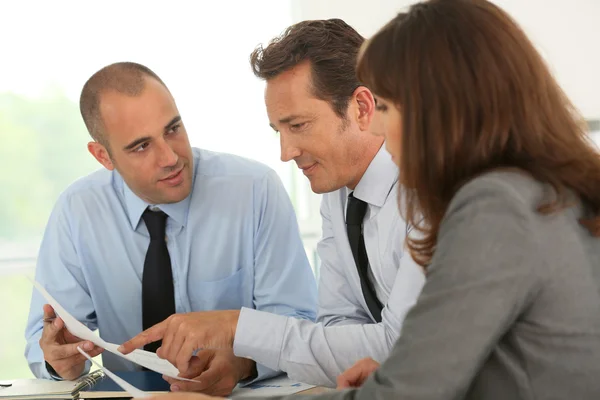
(200, 50)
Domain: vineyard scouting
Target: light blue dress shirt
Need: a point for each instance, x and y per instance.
(234, 242)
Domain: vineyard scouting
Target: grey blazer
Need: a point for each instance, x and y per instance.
(510, 309)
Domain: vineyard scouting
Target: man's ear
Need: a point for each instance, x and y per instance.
(365, 109)
(100, 153)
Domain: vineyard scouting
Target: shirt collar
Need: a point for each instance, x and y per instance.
(378, 180)
(136, 207)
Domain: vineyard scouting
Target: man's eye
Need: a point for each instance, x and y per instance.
(174, 129)
(141, 147)
(298, 126)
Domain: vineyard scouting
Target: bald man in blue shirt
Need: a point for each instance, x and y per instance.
(165, 228)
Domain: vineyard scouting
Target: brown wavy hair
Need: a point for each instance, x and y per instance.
(331, 46)
(475, 96)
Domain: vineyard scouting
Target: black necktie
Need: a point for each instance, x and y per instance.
(355, 214)
(158, 295)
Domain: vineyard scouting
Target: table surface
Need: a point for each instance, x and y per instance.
(315, 390)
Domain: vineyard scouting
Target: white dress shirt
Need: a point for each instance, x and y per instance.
(345, 330)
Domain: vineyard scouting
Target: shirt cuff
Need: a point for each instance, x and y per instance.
(259, 337)
(52, 372)
(47, 372)
(262, 373)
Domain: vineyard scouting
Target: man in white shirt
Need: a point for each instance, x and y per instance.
(368, 282)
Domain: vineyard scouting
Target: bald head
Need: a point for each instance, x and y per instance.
(126, 78)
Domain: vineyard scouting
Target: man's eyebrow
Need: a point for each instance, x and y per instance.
(137, 142)
(141, 140)
(173, 122)
(287, 120)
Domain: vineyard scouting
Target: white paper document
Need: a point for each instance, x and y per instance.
(141, 357)
(126, 386)
(279, 386)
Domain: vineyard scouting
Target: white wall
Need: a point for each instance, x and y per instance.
(566, 33)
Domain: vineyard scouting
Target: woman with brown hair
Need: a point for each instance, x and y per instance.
(503, 186)
(503, 190)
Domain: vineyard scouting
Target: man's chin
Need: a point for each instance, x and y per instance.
(177, 194)
(319, 187)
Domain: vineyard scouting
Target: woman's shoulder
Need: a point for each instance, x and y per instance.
(514, 188)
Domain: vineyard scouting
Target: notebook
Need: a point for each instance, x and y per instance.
(148, 381)
(28, 389)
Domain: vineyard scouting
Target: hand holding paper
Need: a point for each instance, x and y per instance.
(79, 330)
(60, 347)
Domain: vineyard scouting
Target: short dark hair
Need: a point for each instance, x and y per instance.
(331, 46)
(123, 77)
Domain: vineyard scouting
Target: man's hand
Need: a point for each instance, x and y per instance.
(60, 347)
(217, 373)
(183, 334)
(356, 375)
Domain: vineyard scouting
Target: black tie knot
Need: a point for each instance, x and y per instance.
(156, 222)
(356, 210)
